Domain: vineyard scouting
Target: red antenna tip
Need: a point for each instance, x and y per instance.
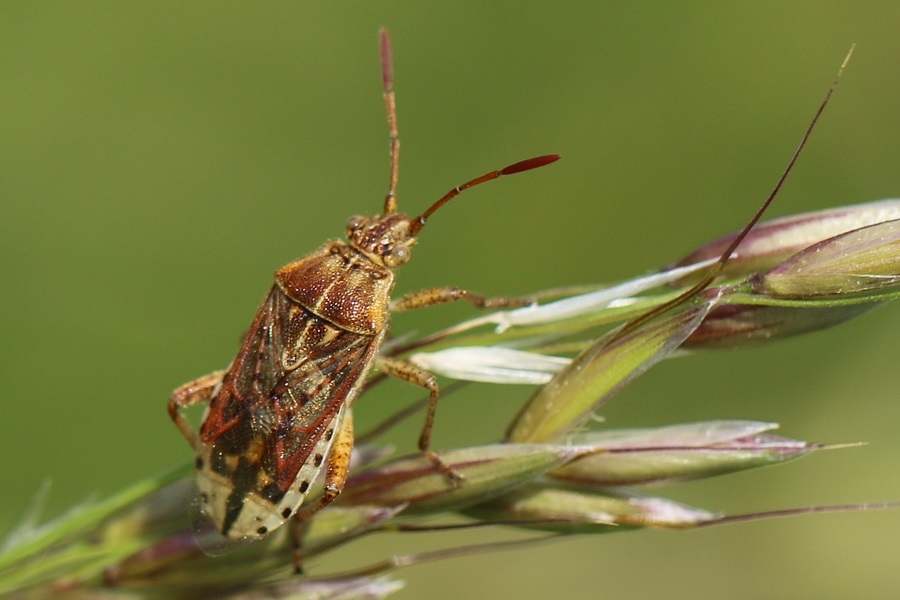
(531, 163)
(387, 66)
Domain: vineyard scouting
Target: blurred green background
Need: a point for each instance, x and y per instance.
(158, 161)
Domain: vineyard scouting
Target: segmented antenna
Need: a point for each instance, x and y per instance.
(524, 165)
(390, 102)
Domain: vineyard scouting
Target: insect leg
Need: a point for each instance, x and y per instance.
(410, 373)
(335, 477)
(443, 295)
(194, 392)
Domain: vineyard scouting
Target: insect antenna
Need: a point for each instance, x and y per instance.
(525, 165)
(390, 103)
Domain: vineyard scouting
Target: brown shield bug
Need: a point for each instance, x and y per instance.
(280, 413)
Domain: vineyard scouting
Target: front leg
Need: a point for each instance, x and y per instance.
(194, 392)
(410, 373)
(443, 295)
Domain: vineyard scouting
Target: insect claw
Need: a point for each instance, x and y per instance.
(449, 472)
(456, 478)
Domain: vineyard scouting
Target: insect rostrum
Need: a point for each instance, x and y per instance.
(280, 413)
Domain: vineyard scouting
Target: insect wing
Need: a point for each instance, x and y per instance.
(269, 427)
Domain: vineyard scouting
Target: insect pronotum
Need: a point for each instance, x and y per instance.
(280, 413)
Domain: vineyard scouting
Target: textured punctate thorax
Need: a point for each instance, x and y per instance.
(349, 284)
(342, 285)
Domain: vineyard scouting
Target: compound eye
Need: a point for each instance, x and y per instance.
(398, 255)
(356, 223)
